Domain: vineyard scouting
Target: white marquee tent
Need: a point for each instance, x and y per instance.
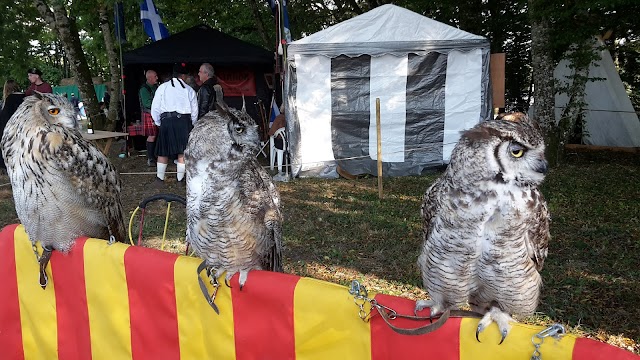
(432, 80)
(610, 117)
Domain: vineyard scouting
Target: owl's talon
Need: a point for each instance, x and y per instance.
(226, 282)
(478, 330)
(504, 335)
(501, 319)
(242, 279)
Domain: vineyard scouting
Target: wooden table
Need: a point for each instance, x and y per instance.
(108, 136)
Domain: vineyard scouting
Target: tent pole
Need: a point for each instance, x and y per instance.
(122, 92)
(379, 136)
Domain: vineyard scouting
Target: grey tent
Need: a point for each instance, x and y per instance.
(432, 80)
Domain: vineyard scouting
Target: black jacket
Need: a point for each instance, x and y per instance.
(206, 97)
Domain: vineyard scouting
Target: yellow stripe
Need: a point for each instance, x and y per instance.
(107, 300)
(326, 323)
(37, 306)
(517, 345)
(203, 333)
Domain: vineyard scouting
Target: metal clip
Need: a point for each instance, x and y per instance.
(358, 290)
(390, 312)
(555, 331)
(360, 297)
(35, 251)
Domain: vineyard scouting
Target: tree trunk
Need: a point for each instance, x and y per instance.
(67, 32)
(580, 57)
(114, 69)
(542, 74)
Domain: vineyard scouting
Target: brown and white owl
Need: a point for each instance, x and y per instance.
(234, 221)
(63, 186)
(486, 224)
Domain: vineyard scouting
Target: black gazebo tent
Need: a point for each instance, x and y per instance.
(235, 62)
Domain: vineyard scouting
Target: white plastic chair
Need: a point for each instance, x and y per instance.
(275, 152)
(263, 146)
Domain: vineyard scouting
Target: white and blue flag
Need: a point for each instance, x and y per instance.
(274, 111)
(153, 25)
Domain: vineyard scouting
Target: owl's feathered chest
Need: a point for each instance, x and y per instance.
(496, 216)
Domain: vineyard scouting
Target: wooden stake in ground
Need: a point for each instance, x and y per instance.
(378, 132)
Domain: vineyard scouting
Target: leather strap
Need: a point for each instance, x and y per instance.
(426, 328)
(203, 287)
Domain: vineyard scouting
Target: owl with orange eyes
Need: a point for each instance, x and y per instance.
(63, 186)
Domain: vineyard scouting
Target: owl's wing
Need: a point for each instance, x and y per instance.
(537, 239)
(272, 255)
(428, 208)
(89, 171)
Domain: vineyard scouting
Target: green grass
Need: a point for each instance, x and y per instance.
(338, 230)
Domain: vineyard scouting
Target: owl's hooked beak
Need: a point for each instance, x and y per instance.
(542, 166)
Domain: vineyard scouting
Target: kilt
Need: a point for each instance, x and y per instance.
(173, 135)
(148, 126)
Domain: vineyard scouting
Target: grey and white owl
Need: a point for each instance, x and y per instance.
(234, 221)
(486, 224)
(63, 186)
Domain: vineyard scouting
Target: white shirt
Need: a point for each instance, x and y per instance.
(176, 98)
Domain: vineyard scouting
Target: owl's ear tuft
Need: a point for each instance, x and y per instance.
(480, 133)
(223, 109)
(38, 95)
(517, 117)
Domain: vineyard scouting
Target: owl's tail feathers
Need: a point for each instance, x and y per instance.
(275, 255)
(501, 319)
(117, 232)
(276, 260)
(116, 227)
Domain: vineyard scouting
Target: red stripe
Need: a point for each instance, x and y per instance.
(74, 338)
(263, 316)
(587, 349)
(152, 303)
(10, 328)
(443, 343)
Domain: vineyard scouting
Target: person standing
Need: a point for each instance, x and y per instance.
(74, 101)
(206, 93)
(149, 129)
(12, 99)
(37, 84)
(174, 109)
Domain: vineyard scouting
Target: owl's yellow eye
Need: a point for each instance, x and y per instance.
(54, 111)
(517, 150)
(516, 153)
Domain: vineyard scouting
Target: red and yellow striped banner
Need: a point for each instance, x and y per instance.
(122, 302)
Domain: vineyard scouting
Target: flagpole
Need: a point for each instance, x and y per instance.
(122, 92)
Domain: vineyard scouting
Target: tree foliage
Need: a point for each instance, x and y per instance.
(506, 23)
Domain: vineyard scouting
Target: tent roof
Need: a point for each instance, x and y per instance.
(388, 23)
(387, 29)
(199, 44)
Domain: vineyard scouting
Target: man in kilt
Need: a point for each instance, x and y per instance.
(174, 109)
(149, 129)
